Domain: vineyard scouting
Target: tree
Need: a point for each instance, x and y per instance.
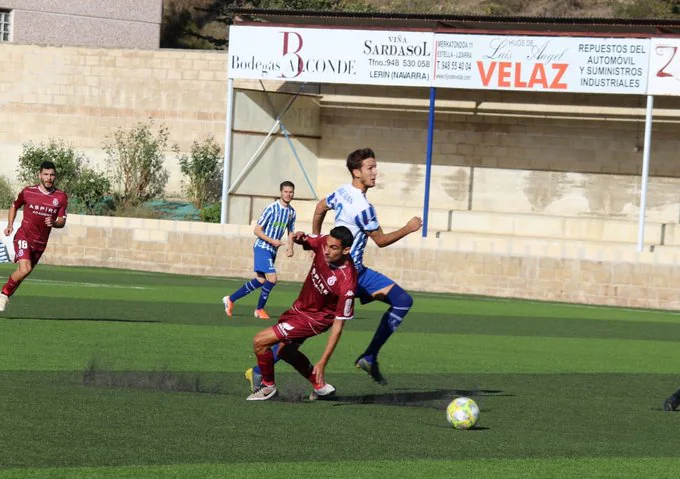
(222, 11)
(663, 9)
(136, 158)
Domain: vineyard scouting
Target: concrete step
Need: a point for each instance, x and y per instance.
(559, 227)
(518, 225)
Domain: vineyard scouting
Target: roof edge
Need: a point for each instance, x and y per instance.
(457, 18)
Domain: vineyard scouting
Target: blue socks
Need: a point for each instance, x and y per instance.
(264, 295)
(251, 286)
(400, 303)
(247, 288)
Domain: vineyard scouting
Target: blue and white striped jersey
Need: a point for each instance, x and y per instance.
(4, 254)
(275, 220)
(353, 210)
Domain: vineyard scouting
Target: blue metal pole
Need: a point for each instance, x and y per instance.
(428, 163)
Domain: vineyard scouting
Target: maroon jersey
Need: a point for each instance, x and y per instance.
(39, 205)
(328, 291)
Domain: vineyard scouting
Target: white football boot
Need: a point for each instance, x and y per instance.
(4, 299)
(323, 392)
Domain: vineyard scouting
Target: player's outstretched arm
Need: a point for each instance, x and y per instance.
(299, 237)
(385, 239)
(319, 215)
(333, 338)
(11, 215)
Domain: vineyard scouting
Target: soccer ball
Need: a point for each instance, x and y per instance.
(462, 413)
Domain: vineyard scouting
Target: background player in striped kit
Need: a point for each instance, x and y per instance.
(353, 210)
(276, 219)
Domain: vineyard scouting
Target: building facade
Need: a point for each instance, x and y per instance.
(116, 24)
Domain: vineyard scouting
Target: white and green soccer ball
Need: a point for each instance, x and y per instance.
(462, 413)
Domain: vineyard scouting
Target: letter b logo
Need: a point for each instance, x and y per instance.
(292, 44)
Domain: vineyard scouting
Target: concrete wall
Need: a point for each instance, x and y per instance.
(83, 94)
(580, 273)
(515, 152)
(119, 23)
(537, 153)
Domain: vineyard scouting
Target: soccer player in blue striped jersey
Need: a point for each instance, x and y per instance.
(276, 219)
(353, 210)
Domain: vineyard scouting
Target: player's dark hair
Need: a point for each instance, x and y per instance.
(343, 234)
(355, 158)
(47, 165)
(286, 183)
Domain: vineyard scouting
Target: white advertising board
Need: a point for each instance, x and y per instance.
(639, 66)
(367, 57)
(664, 67)
(560, 64)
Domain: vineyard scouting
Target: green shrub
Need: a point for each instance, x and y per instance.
(212, 213)
(203, 167)
(136, 159)
(90, 193)
(68, 161)
(6, 193)
(86, 187)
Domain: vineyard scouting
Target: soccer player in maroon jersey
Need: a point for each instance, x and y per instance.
(44, 209)
(325, 302)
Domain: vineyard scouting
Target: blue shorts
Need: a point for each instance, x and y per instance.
(369, 282)
(264, 260)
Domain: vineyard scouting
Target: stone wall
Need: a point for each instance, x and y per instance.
(614, 276)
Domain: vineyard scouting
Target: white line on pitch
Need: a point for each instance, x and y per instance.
(86, 285)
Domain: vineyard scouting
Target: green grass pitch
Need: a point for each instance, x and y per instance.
(120, 374)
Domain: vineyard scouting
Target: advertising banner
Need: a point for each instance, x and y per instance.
(638, 66)
(560, 64)
(367, 57)
(664, 67)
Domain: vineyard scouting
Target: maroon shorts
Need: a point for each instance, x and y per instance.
(24, 250)
(296, 326)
